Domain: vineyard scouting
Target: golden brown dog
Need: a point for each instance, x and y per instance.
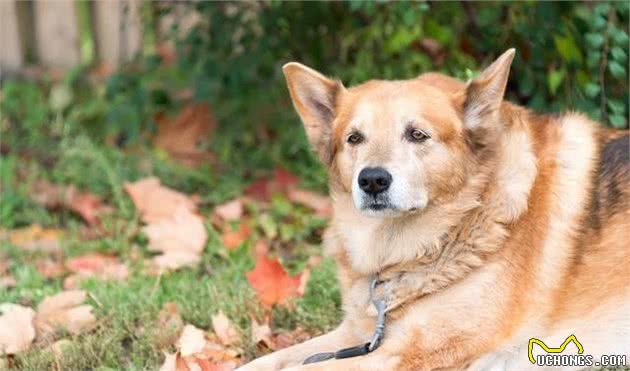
(488, 224)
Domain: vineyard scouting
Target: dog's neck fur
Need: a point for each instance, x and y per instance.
(434, 235)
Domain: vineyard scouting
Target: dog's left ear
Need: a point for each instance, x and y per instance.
(314, 97)
(484, 94)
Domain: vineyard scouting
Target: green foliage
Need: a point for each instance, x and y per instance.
(570, 55)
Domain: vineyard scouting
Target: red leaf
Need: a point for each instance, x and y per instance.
(263, 189)
(259, 190)
(285, 180)
(233, 239)
(272, 283)
(89, 263)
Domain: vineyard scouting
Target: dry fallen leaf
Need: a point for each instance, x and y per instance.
(262, 335)
(64, 310)
(34, 237)
(263, 189)
(180, 136)
(192, 340)
(87, 205)
(271, 282)
(104, 267)
(265, 338)
(230, 210)
(233, 238)
(16, 328)
(170, 325)
(224, 329)
(156, 202)
(181, 238)
(50, 268)
(6, 279)
(170, 362)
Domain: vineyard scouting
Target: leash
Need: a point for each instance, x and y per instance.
(363, 349)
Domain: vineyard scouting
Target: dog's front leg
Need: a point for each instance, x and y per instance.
(339, 338)
(379, 360)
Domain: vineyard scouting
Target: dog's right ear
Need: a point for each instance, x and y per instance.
(314, 97)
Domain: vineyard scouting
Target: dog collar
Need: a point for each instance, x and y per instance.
(375, 341)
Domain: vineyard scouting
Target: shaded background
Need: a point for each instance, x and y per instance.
(570, 56)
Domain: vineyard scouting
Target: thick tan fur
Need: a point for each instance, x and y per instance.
(524, 233)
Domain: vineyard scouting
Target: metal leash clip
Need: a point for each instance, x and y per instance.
(359, 350)
(380, 305)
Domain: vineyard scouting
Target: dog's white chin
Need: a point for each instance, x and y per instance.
(389, 212)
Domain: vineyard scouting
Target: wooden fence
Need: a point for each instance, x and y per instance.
(52, 33)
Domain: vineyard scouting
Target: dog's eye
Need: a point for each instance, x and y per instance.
(417, 135)
(355, 138)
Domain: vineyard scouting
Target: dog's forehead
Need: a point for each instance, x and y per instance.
(380, 103)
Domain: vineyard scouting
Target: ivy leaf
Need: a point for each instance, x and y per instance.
(616, 69)
(619, 36)
(591, 90)
(567, 48)
(594, 40)
(618, 121)
(618, 54)
(616, 106)
(554, 79)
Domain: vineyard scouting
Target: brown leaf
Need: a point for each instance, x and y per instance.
(176, 362)
(262, 335)
(170, 325)
(319, 203)
(180, 136)
(156, 202)
(263, 189)
(271, 282)
(181, 238)
(87, 205)
(230, 210)
(34, 237)
(6, 279)
(433, 49)
(50, 268)
(104, 267)
(16, 328)
(224, 329)
(64, 310)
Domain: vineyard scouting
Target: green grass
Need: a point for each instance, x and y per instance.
(39, 144)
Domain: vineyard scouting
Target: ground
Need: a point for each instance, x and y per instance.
(55, 149)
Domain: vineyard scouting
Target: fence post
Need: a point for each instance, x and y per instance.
(57, 33)
(11, 44)
(117, 30)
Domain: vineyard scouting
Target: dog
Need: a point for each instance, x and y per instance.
(490, 227)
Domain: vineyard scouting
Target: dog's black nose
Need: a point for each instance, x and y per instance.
(374, 180)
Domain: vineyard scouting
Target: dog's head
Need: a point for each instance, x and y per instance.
(398, 146)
